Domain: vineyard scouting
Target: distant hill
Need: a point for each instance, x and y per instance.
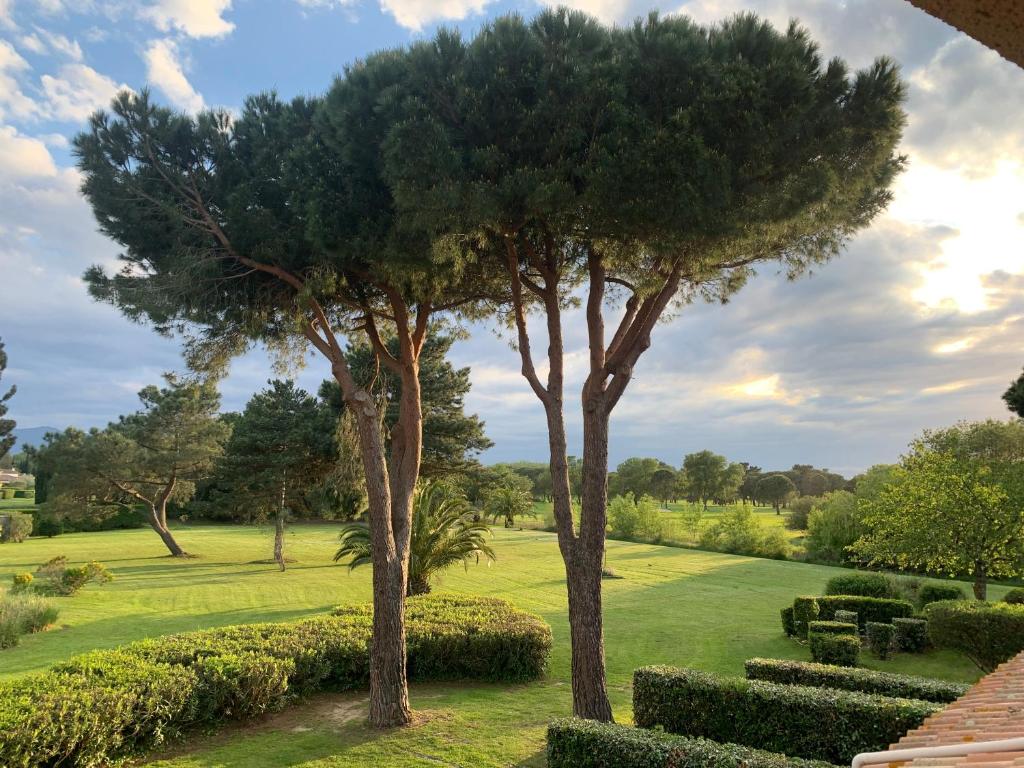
(30, 436)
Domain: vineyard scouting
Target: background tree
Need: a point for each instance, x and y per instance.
(663, 484)
(748, 486)
(708, 476)
(833, 524)
(150, 457)
(634, 475)
(7, 426)
(709, 150)
(281, 447)
(955, 505)
(508, 502)
(775, 489)
(443, 533)
(1014, 396)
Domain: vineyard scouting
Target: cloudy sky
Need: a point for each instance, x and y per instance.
(920, 323)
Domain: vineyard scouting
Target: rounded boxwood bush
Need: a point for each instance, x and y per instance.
(933, 593)
(881, 609)
(1015, 596)
(911, 634)
(805, 610)
(847, 617)
(986, 633)
(881, 638)
(861, 584)
(840, 650)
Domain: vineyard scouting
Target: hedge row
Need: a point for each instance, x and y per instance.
(816, 723)
(881, 610)
(842, 650)
(986, 633)
(863, 680)
(97, 708)
(857, 583)
(590, 744)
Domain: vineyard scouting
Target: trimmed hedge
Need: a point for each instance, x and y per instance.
(881, 638)
(103, 706)
(1014, 596)
(832, 628)
(933, 593)
(847, 617)
(882, 610)
(590, 744)
(815, 723)
(986, 633)
(863, 584)
(911, 634)
(805, 610)
(788, 624)
(805, 673)
(842, 650)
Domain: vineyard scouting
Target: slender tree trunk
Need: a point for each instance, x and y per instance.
(980, 581)
(158, 522)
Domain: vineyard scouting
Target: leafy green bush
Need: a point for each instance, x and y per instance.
(865, 680)
(788, 625)
(21, 582)
(22, 614)
(817, 723)
(847, 617)
(934, 593)
(48, 527)
(590, 744)
(863, 584)
(799, 511)
(56, 577)
(842, 650)
(832, 526)
(832, 628)
(97, 708)
(635, 519)
(738, 532)
(911, 634)
(15, 526)
(878, 609)
(1014, 597)
(881, 638)
(906, 588)
(805, 610)
(986, 633)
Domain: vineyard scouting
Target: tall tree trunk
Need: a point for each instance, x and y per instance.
(279, 528)
(158, 522)
(980, 581)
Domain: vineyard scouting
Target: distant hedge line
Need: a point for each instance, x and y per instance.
(863, 680)
(590, 744)
(815, 723)
(106, 705)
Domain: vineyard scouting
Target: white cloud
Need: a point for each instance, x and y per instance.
(6, 20)
(195, 18)
(33, 43)
(77, 92)
(13, 101)
(62, 44)
(165, 71)
(23, 157)
(415, 14)
(608, 11)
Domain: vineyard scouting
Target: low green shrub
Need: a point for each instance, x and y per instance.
(6, 493)
(832, 628)
(56, 577)
(847, 617)
(911, 634)
(21, 582)
(22, 614)
(865, 680)
(788, 625)
(1014, 596)
(933, 593)
(14, 526)
(97, 709)
(878, 609)
(590, 744)
(986, 633)
(805, 610)
(841, 650)
(859, 583)
(816, 723)
(881, 638)
(48, 527)
(25, 493)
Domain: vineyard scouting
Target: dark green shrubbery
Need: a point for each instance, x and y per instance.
(862, 584)
(933, 593)
(816, 723)
(986, 633)
(105, 705)
(832, 628)
(847, 617)
(788, 624)
(48, 527)
(864, 680)
(882, 610)
(590, 744)
(842, 650)
(805, 610)
(911, 634)
(1014, 596)
(881, 638)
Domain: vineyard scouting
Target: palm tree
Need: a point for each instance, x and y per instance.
(509, 502)
(443, 534)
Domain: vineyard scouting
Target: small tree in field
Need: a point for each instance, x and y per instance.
(775, 490)
(6, 425)
(507, 502)
(150, 457)
(955, 506)
(708, 476)
(637, 169)
(280, 447)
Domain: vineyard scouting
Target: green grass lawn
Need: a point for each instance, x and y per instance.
(17, 505)
(672, 606)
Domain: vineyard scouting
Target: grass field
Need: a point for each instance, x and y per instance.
(672, 606)
(17, 505)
